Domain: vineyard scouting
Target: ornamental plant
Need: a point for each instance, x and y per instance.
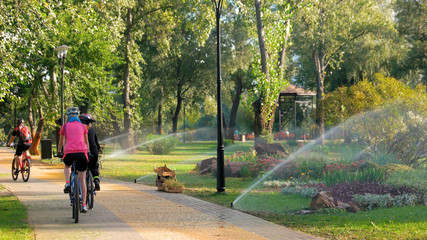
(241, 156)
(161, 145)
(262, 165)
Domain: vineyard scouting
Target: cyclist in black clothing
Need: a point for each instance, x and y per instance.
(94, 147)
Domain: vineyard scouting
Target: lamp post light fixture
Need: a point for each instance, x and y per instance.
(220, 178)
(62, 54)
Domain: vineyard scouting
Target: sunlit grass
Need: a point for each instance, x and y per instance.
(392, 223)
(13, 215)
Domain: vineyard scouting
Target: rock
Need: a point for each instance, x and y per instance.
(322, 200)
(206, 165)
(233, 169)
(353, 207)
(268, 149)
(303, 212)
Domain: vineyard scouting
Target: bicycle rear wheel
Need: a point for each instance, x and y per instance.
(90, 189)
(25, 170)
(14, 176)
(76, 200)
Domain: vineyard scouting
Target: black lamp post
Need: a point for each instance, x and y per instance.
(62, 54)
(220, 178)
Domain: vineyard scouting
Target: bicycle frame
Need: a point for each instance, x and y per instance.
(24, 167)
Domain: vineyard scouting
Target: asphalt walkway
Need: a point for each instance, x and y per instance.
(126, 210)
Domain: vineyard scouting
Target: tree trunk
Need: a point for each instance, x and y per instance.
(236, 102)
(159, 114)
(178, 108)
(318, 57)
(127, 123)
(260, 123)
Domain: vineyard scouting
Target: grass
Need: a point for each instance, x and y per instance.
(13, 224)
(391, 223)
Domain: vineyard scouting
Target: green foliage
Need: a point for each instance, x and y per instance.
(13, 223)
(370, 201)
(382, 157)
(322, 149)
(390, 121)
(277, 184)
(391, 168)
(266, 137)
(302, 191)
(244, 172)
(240, 156)
(348, 176)
(161, 145)
(415, 179)
(228, 142)
(303, 167)
(173, 184)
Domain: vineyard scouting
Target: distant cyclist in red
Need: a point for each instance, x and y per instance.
(74, 133)
(24, 142)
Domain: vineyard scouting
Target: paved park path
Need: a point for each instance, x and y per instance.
(126, 210)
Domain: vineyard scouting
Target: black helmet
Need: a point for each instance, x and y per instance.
(86, 118)
(19, 122)
(72, 111)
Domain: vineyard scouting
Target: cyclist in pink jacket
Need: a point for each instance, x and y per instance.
(74, 133)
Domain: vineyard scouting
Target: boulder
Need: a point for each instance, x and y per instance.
(206, 165)
(269, 149)
(233, 169)
(322, 200)
(353, 207)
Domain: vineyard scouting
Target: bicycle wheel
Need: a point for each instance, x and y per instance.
(76, 200)
(14, 177)
(25, 169)
(90, 189)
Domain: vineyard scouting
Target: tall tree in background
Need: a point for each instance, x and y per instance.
(411, 23)
(327, 28)
(273, 29)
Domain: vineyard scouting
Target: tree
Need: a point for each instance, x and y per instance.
(327, 29)
(386, 114)
(411, 16)
(273, 29)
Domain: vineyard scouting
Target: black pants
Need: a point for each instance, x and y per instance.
(94, 165)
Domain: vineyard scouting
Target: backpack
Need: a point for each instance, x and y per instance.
(25, 135)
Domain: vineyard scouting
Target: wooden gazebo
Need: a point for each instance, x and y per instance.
(290, 99)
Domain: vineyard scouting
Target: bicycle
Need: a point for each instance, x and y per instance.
(24, 167)
(90, 186)
(76, 195)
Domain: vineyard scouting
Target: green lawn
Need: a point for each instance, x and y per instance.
(13, 224)
(392, 223)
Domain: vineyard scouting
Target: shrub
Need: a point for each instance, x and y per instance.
(414, 179)
(370, 201)
(382, 157)
(391, 168)
(321, 149)
(173, 184)
(292, 143)
(262, 165)
(228, 142)
(277, 184)
(240, 156)
(347, 176)
(307, 192)
(161, 145)
(266, 137)
(244, 172)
